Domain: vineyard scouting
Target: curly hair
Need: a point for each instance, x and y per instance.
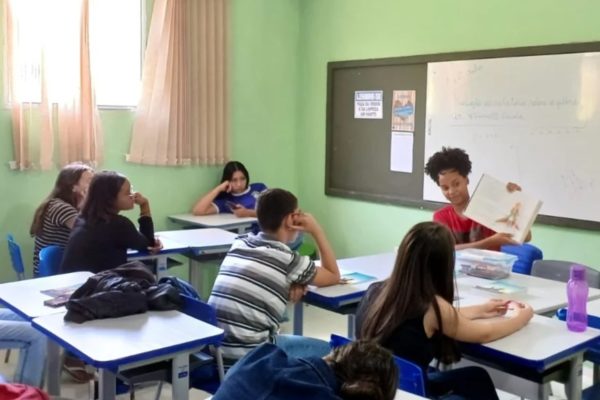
(448, 159)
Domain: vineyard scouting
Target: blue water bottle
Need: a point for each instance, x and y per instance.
(577, 294)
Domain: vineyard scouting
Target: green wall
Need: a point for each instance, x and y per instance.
(336, 30)
(278, 59)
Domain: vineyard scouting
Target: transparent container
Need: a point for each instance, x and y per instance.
(485, 263)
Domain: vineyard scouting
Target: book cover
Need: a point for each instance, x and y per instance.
(502, 287)
(494, 207)
(355, 278)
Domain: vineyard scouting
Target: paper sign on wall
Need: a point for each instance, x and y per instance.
(368, 104)
(401, 152)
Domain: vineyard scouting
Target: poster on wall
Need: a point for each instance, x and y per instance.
(368, 104)
(403, 110)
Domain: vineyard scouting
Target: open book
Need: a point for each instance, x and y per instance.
(502, 211)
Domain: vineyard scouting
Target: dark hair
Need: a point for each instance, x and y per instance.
(364, 370)
(273, 206)
(448, 159)
(102, 194)
(424, 269)
(66, 180)
(230, 168)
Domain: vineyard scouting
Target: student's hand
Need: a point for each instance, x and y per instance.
(157, 246)
(494, 308)
(225, 186)
(305, 222)
(520, 311)
(240, 211)
(499, 239)
(297, 292)
(139, 199)
(513, 187)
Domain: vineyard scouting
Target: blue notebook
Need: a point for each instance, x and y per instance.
(352, 278)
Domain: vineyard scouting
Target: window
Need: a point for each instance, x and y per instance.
(116, 51)
(115, 37)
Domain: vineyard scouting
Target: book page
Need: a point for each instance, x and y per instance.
(494, 207)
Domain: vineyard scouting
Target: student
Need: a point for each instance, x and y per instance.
(15, 332)
(55, 217)
(411, 313)
(359, 370)
(235, 194)
(260, 272)
(101, 237)
(450, 169)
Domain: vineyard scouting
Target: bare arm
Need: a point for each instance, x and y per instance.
(328, 273)
(459, 327)
(205, 206)
(492, 242)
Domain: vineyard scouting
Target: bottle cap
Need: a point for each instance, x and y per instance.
(577, 272)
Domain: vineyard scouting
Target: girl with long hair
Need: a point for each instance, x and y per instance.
(412, 314)
(55, 217)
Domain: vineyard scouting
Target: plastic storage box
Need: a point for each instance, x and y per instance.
(485, 263)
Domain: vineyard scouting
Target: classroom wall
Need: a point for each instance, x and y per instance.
(264, 37)
(337, 30)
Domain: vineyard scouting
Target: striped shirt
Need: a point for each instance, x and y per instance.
(251, 291)
(54, 228)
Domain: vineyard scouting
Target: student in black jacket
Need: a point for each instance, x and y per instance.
(101, 237)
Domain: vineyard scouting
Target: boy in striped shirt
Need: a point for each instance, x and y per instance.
(260, 273)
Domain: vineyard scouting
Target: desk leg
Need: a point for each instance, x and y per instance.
(161, 266)
(181, 377)
(573, 386)
(194, 274)
(53, 368)
(107, 385)
(351, 331)
(298, 318)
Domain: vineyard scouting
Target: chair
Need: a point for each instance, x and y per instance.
(410, 376)
(17, 263)
(561, 270)
(15, 257)
(526, 254)
(50, 260)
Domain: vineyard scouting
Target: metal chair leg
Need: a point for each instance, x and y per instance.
(7, 356)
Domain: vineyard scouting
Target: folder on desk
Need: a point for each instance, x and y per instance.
(353, 278)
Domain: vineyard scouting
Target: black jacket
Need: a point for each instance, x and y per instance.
(128, 289)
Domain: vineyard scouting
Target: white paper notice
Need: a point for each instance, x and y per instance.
(401, 153)
(368, 104)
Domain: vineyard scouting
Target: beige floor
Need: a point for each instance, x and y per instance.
(318, 323)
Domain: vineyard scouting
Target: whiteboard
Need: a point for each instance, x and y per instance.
(531, 120)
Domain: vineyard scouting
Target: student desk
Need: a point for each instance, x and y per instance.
(117, 344)
(169, 246)
(543, 350)
(200, 242)
(343, 299)
(545, 296)
(25, 299)
(224, 221)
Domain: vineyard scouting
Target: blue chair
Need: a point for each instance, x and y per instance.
(50, 260)
(15, 257)
(411, 378)
(526, 254)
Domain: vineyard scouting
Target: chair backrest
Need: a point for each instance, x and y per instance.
(558, 270)
(50, 260)
(410, 376)
(199, 310)
(15, 257)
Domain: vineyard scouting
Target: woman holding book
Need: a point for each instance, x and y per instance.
(450, 169)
